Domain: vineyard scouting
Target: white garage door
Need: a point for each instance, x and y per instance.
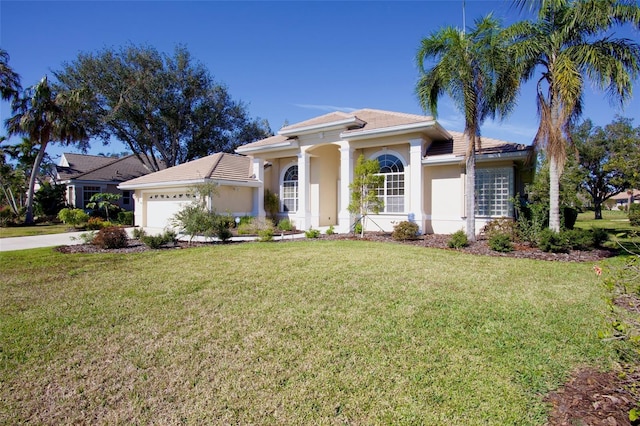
(160, 212)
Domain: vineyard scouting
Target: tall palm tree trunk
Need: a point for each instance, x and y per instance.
(554, 194)
(32, 183)
(470, 184)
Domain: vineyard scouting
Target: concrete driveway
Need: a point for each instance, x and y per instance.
(36, 241)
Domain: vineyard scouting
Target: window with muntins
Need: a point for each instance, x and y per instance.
(392, 190)
(87, 193)
(494, 190)
(289, 194)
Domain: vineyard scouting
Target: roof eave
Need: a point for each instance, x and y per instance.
(183, 183)
(265, 148)
(333, 125)
(441, 160)
(423, 126)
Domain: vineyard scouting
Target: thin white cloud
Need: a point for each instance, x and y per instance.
(511, 128)
(327, 108)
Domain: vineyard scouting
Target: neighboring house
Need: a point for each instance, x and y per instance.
(622, 199)
(86, 175)
(159, 196)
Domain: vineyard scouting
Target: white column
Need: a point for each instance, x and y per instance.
(416, 192)
(346, 177)
(303, 216)
(258, 193)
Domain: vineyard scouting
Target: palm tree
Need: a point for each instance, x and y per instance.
(9, 79)
(44, 116)
(567, 44)
(474, 71)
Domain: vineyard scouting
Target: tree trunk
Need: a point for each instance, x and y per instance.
(597, 210)
(471, 196)
(554, 195)
(32, 183)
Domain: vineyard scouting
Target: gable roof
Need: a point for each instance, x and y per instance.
(98, 168)
(357, 124)
(219, 167)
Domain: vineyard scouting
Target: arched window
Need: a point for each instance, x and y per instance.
(392, 190)
(289, 195)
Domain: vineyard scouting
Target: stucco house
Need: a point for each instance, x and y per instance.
(86, 175)
(311, 164)
(160, 195)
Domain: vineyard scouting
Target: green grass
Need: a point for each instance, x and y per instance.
(616, 223)
(612, 220)
(26, 231)
(313, 332)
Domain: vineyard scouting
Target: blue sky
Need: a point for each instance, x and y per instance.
(286, 60)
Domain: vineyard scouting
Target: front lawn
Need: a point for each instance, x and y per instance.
(314, 332)
(27, 231)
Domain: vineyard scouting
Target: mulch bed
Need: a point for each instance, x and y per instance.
(590, 397)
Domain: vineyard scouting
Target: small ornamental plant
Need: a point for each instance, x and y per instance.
(405, 230)
(458, 240)
(500, 242)
(312, 233)
(111, 237)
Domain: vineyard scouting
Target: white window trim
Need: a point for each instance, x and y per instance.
(406, 200)
(283, 171)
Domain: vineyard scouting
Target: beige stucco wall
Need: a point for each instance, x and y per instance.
(323, 187)
(235, 200)
(444, 195)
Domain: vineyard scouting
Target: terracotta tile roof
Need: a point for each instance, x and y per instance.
(373, 119)
(323, 119)
(378, 119)
(457, 146)
(216, 166)
(98, 168)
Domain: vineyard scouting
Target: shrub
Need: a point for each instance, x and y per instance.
(221, 227)
(458, 240)
(330, 231)
(405, 230)
(194, 219)
(138, 233)
(312, 233)
(578, 239)
(504, 225)
(500, 242)
(125, 218)
(271, 204)
(357, 228)
(634, 214)
(532, 219)
(86, 237)
(245, 229)
(554, 242)
(111, 237)
(265, 234)
(157, 241)
(6, 216)
(245, 220)
(600, 236)
(285, 225)
(96, 223)
(73, 217)
(569, 217)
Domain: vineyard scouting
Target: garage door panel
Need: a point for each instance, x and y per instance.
(160, 212)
